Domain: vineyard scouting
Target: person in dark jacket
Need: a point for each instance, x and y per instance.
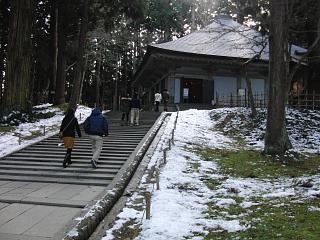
(165, 98)
(125, 109)
(68, 127)
(96, 126)
(135, 107)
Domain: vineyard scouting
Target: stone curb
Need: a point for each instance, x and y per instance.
(88, 223)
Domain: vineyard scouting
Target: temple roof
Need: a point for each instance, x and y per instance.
(224, 43)
(225, 37)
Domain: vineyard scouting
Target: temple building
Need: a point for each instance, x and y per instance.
(209, 64)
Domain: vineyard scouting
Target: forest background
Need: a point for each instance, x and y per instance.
(61, 51)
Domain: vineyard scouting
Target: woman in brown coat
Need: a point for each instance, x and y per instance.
(68, 127)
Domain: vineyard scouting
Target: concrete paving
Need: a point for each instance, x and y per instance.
(66, 195)
(29, 221)
(41, 210)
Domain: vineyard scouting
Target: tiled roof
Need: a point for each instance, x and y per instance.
(225, 37)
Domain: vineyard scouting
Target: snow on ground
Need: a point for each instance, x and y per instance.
(9, 141)
(179, 210)
(302, 126)
(178, 206)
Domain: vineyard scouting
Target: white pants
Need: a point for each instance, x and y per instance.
(134, 115)
(97, 143)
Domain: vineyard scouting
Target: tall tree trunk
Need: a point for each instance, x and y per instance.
(17, 94)
(54, 32)
(126, 75)
(4, 22)
(80, 57)
(61, 58)
(193, 21)
(276, 139)
(98, 82)
(250, 94)
(115, 96)
(83, 75)
(2, 59)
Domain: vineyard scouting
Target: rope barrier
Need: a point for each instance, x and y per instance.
(155, 172)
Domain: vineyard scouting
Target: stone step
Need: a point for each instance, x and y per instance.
(82, 145)
(129, 130)
(77, 164)
(124, 136)
(104, 160)
(87, 155)
(77, 181)
(62, 174)
(75, 151)
(125, 129)
(73, 168)
(88, 141)
(82, 148)
(42, 162)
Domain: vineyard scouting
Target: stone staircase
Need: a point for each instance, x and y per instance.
(42, 162)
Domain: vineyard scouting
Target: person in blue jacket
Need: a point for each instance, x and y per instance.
(96, 126)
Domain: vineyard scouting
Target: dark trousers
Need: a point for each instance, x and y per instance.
(157, 106)
(67, 158)
(165, 105)
(125, 115)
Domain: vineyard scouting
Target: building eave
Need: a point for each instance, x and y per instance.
(158, 60)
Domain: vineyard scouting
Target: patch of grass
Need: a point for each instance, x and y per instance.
(252, 164)
(5, 129)
(212, 184)
(227, 213)
(196, 166)
(266, 221)
(40, 115)
(63, 107)
(34, 134)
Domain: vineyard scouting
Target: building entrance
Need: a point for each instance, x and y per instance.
(191, 90)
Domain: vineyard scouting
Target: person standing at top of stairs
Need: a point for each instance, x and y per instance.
(67, 133)
(165, 97)
(96, 126)
(135, 107)
(125, 109)
(157, 100)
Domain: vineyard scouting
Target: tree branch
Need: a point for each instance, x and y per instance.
(306, 55)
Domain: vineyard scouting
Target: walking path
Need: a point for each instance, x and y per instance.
(39, 198)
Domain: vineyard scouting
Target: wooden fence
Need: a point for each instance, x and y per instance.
(302, 100)
(236, 100)
(306, 100)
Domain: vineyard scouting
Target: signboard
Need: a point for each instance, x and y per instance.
(186, 92)
(241, 92)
